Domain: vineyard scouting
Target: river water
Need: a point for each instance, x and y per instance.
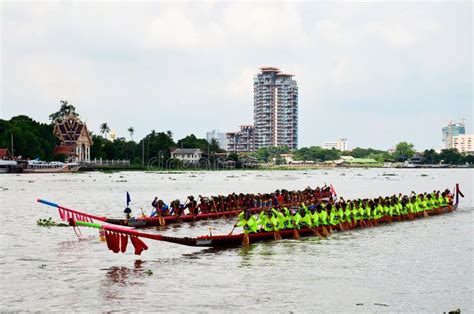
(424, 265)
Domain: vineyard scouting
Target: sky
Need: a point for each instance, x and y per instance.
(374, 73)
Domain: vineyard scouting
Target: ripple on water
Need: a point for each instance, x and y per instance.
(415, 266)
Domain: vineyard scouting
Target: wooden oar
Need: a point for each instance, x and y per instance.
(341, 226)
(232, 229)
(161, 220)
(296, 234)
(325, 231)
(276, 235)
(246, 240)
(316, 232)
(425, 214)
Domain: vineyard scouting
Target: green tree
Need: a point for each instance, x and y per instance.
(431, 156)
(403, 151)
(214, 147)
(157, 144)
(191, 141)
(316, 153)
(31, 139)
(104, 129)
(451, 156)
(131, 131)
(65, 110)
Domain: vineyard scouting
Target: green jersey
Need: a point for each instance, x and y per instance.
(249, 225)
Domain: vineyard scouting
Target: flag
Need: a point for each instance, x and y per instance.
(128, 199)
(458, 190)
(333, 191)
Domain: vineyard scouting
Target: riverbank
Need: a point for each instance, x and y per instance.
(266, 167)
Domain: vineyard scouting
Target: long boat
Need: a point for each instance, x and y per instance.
(144, 222)
(117, 236)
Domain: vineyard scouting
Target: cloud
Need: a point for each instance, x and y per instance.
(189, 66)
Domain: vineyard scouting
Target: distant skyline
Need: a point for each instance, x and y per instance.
(374, 73)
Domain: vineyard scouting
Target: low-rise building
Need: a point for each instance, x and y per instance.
(5, 154)
(339, 144)
(187, 155)
(242, 141)
(464, 143)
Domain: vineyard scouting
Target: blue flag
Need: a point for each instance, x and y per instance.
(128, 199)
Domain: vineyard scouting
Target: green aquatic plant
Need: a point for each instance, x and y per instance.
(50, 223)
(149, 272)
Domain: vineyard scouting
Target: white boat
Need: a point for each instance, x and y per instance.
(36, 166)
(6, 166)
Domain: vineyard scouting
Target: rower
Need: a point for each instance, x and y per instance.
(323, 215)
(154, 204)
(248, 222)
(267, 221)
(128, 212)
(192, 205)
(313, 212)
(280, 219)
(176, 208)
(334, 218)
(305, 220)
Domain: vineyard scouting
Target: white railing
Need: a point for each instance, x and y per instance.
(106, 162)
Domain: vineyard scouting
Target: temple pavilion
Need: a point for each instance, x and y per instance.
(76, 140)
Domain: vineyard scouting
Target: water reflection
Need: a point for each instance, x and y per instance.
(118, 277)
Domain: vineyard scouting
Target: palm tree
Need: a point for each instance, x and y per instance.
(131, 130)
(104, 129)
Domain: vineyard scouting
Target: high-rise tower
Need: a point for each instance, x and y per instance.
(275, 109)
(449, 131)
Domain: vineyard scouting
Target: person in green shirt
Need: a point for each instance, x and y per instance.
(248, 222)
(295, 218)
(378, 210)
(355, 213)
(313, 212)
(323, 216)
(334, 218)
(403, 208)
(442, 200)
(361, 210)
(280, 219)
(427, 203)
(267, 221)
(420, 204)
(348, 214)
(305, 220)
(393, 212)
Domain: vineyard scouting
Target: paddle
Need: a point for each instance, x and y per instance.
(232, 229)
(341, 226)
(425, 214)
(325, 231)
(316, 232)
(246, 240)
(296, 234)
(276, 233)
